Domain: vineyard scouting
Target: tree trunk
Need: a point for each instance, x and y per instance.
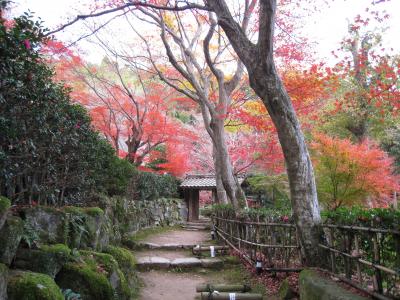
(220, 192)
(231, 185)
(264, 79)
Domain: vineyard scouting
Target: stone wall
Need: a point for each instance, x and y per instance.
(64, 248)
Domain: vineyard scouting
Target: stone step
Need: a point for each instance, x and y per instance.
(195, 227)
(155, 262)
(197, 224)
(143, 245)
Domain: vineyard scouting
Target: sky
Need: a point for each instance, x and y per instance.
(325, 28)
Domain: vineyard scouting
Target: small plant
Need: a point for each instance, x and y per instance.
(71, 295)
(30, 235)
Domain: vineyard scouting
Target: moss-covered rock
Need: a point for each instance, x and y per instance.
(313, 286)
(79, 227)
(32, 286)
(91, 283)
(94, 211)
(3, 281)
(111, 269)
(5, 204)
(47, 222)
(84, 226)
(93, 225)
(286, 292)
(48, 260)
(127, 264)
(110, 230)
(10, 236)
(96, 277)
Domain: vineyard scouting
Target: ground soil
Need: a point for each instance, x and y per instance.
(184, 237)
(162, 285)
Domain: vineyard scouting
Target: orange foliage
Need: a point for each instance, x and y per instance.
(350, 173)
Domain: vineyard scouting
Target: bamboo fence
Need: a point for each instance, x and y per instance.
(366, 258)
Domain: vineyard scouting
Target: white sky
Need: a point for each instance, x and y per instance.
(325, 28)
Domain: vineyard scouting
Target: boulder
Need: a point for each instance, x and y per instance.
(3, 281)
(78, 227)
(94, 219)
(10, 236)
(96, 277)
(286, 292)
(313, 286)
(48, 259)
(109, 232)
(48, 223)
(83, 279)
(127, 264)
(32, 286)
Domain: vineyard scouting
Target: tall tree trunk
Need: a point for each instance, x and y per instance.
(220, 193)
(265, 81)
(231, 185)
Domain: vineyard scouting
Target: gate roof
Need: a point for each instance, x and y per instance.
(202, 181)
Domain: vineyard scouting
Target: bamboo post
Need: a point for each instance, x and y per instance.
(227, 296)
(243, 288)
(357, 248)
(198, 249)
(378, 274)
(346, 248)
(332, 255)
(397, 247)
(238, 227)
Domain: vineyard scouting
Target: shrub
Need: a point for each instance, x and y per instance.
(150, 186)
(357, 216)
(49, 152)
(255, 214)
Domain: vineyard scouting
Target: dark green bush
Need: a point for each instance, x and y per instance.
(49, 152)
(254, 214)
(271, 191)
(386, 218)
(150, 186)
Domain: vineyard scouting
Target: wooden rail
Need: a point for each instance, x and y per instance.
(366, 258)
(273, 245)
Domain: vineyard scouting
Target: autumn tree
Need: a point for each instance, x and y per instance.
(257, 55)
(201, 79)
(367, 93)
(258, 58)
(348, 173)
(131, 109)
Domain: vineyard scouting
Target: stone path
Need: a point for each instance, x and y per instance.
(168, 268)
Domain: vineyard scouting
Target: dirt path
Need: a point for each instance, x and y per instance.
(171, 285)
(179, 237)
(180, 283)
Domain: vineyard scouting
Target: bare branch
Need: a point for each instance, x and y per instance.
(134, 4)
